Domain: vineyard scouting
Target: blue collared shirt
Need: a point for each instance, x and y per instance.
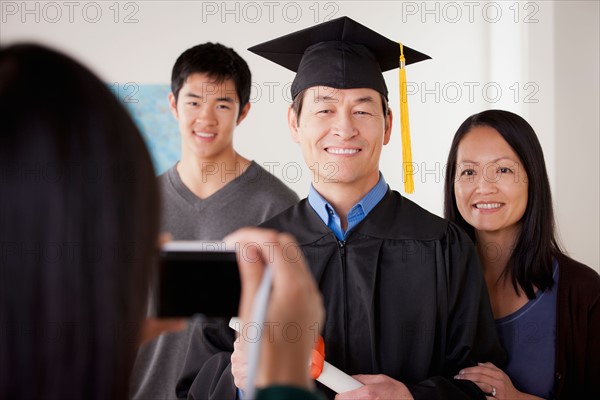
(357, 213)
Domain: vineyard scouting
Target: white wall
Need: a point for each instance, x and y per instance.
(577, 122)
(539, 59)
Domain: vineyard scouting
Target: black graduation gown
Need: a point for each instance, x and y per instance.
(404, 296)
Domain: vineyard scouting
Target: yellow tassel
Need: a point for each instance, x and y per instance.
(407, 167)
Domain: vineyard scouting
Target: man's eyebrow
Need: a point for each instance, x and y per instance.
(190, 94)
(325, 98)
(227, 99)
(364, 99)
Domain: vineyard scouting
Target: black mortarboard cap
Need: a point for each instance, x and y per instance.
(344, 54)
(340, 53)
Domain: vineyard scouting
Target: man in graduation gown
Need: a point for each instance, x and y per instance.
(403, 289)
(406, 305)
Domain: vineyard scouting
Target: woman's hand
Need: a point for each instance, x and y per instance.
(493, 382)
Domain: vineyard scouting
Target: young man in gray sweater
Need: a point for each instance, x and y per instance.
(208, 194)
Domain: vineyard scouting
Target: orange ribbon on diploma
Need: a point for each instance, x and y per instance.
(327, 374)
(318, 358)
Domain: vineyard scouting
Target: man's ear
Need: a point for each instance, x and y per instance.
(293, 125)
(173, 105)
(244, 113)
(387, 134)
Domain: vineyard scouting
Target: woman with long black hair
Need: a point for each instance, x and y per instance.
(546, 305)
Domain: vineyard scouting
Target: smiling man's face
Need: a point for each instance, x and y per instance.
(207, 113)
(341, 133)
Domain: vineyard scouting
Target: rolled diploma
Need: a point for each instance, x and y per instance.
(332, 377)
(337, 380)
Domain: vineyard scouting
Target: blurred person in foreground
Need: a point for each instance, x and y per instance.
(79, 216)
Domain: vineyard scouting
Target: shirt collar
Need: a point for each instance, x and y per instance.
(367, 203)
